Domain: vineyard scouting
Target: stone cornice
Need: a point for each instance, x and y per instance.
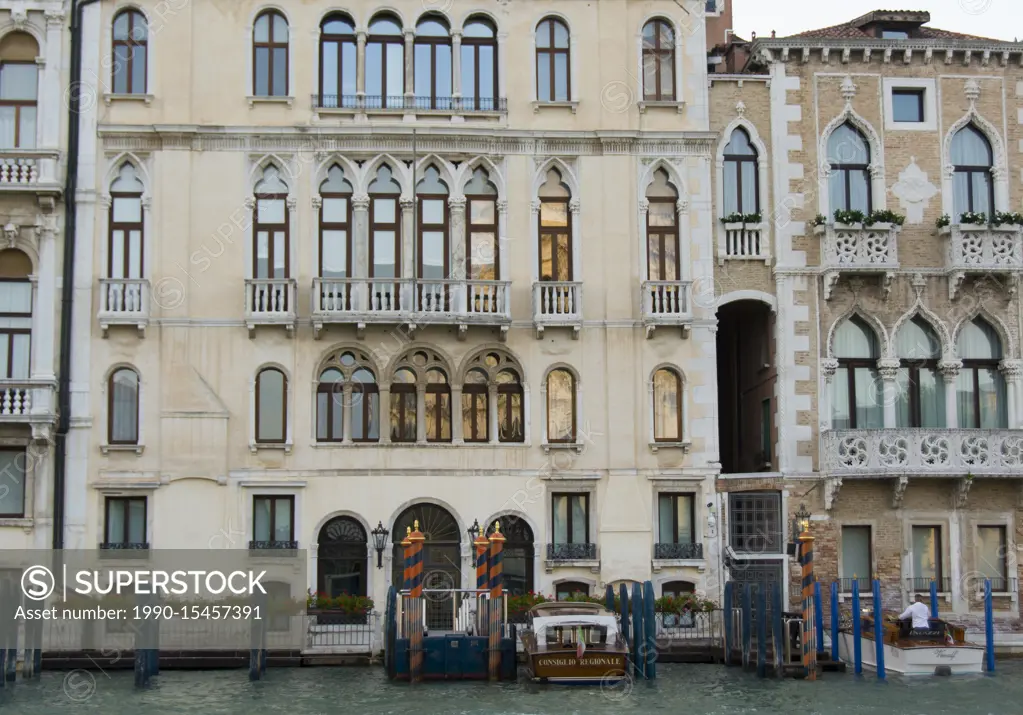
(793, 48)
(393, 140)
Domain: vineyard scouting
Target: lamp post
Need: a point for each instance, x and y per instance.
(800, 523)
(473, 530)
(379, 542)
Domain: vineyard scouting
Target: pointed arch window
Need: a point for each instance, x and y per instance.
(365, 405)
(856, 401)
(479, 65)
(403, 406)
(335, 238)
(271, 406)
(438, 406)
(131, 47)
(385, 63)
(510, 407)
(742, 178)
(658, 61)
(662, 229)
(481, 252)
(338, 62)
(849, 157)
(270, 226)
(330, 406)
(270, 55)
(555, 229)
(553, 61)
(385, 240)
(19, 87)
(921, 388)
(126, 225)
(434, 248)
(972, 161)
(667, 406)
(980, 390)
(561, 403)
(123, 407)
(476, 407)
(432, 64)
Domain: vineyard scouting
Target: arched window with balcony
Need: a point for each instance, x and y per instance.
(270, 55)
(123, 407)
(849, 187)
(432, 63)
(365, 406)
(330, 406)
(479, 65)
(482, 258)
(742, 177)
(921, 388)
(980, 390)
(662, 229)
(335, 240)
(403, 406)
(338, 62)
(553, 61)
(385, 63)
(19, 91)
(856, 401)
(271, 406)
(667, 405)
(270, 226)
(658, 61)
(972, 181)
(434, 251)
(126, 231)
(131, 48)
(438, 406)
(385, 240)
(561, 406)
(555, 233)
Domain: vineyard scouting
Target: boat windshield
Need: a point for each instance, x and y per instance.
(570, 636)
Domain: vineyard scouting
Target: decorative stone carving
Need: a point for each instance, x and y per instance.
(682, 206)
(11, 234)
(972, 90)
(644, 206)
(406, 203)
(360, 202)
(848, 89)
(457, 203)
(1011, 369)
(888, 369)
(575, 206)
(534, 206)
(899, 491)
(19, 16)
(914, 191)
(502, 206)
(317, 202)
(740, 108)
(828, 368)
(292, 203)
(831, 487)
(950, 369)
(962, 491)
(250, 203)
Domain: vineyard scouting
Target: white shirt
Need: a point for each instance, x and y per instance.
(920, 614)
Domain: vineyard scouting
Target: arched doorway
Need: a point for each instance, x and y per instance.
(341, 557)
(517, 554)
(746, 379)
(442, 558)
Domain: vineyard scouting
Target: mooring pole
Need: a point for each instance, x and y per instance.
(878, 630)
(779, 630)
(609, 597)
(747, 624)
(818, 615)
(857, 627)
(649, 621)
(496, 597)
(989, 628)
(728, 613)
(623, 597)
(416, 597)
(809, 639)
(761, 630)
(834, 621)
(934, 598)
(482, 543)
(638, 631)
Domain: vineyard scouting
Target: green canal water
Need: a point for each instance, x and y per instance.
(682, 689)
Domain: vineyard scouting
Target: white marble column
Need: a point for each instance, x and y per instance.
(360, 239)
(492, 416)
(348, 409)
(51, 90)
(456, 415)
(459, 269)
(888, 369)
(44, 311)
(408, 237)
(502, 239)
(1012, 370)
(950, 371)
(410, 83)
(828, 368)
(456, 64)
(385, 413)
(360, 65)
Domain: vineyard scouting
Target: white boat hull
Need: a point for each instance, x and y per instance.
(920, 660)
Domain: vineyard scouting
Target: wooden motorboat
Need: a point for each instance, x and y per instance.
(574, 643)
(915, 652)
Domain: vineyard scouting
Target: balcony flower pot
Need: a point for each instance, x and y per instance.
(734, 226)
(973, 227)
(333, 617)
(849, 226)
(882, 226)
(820, 229)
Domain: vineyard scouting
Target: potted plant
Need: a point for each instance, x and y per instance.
(681, 611)
(884, 219)
(1006, 219)
(344, 609)
(519, 605)
(733, 221)
(849, 218)
(973, 221)
(943, 223)
(819, 223)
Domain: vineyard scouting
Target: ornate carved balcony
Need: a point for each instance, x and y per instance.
(29, 171)
(558, 304)
(923, 452)
(270, 301)
(982, 249)
(678, 552)
(359, 301)
(667, 303)
(124, 301)
(856, 250)
(30, 402)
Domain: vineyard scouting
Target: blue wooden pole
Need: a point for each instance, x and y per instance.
(857, 646)
(747, 634)
(818, 615)
(638, 631)
(779, 630)
(934, 598)
(834, 621)
(609, 597)
(989, 628)
(761, 630)
(878, 630)
(649, 620)
(623, 596)
(728, 612)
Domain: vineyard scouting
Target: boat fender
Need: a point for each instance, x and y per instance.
(943, 670)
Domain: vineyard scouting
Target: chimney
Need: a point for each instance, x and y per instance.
(773, 34)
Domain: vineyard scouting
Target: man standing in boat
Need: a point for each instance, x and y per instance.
(919, 612)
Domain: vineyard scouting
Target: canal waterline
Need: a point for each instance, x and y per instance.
(692, 689)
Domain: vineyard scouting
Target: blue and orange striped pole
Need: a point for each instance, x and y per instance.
(416, 601)
(809, 637)
(403, 599)
(482, 579)
(496, 594)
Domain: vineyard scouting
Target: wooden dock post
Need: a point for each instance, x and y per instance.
(818, 615)
(728, 613)
(638, 632)
(623, 594)
(989, 628)
(496, 599)
(747, 635)
(878, 630)
(857, 626)
(482, 544)
(779, 630)
(761, 630)
(834, 621)
(609, 597)
(416, 539)
(934, 598)
(650, 623)
(809, 638)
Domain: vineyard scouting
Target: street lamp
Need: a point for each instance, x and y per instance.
(801, 522)
(380, 542)
(474, 530)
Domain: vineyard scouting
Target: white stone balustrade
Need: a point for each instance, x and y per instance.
(124, 301)
(270, 301)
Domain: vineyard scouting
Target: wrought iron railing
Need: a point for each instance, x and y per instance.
(401, 103)
(678, 551)
(923, 584)
(845, 585)
(124, 549)
(571, 552)
(273, 545)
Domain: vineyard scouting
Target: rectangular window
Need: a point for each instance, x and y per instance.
(927, 557)
(755, 522)
(908, 105)
(126, 521)
(675, 519)
(570, 518)
(894, 35)
(273, 519)
(12, 483)
(856, 560)
(18, 86)
(991, 553)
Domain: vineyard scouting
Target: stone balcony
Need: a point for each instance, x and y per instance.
(982, 249)
(574, 555)
(667, 303)
(362, 301)
(855, 249)
(124, 301)
(270, 301)
(29, 171)
(558, 304)
(29, 402)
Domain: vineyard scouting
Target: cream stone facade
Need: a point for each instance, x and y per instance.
(178, 294)
(33, 59)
